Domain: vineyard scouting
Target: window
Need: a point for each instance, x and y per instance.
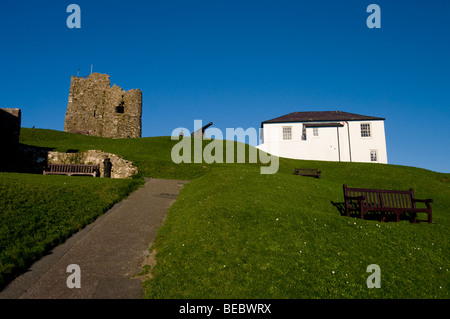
(373, 156)
(315, 131)
(365, 130)
(121, 107)
(287, 132)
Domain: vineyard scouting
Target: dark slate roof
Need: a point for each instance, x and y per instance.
(321, 116)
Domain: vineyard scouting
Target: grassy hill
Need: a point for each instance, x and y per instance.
(234, 233)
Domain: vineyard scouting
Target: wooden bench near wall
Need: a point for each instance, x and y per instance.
(72, 170)
(365, 200)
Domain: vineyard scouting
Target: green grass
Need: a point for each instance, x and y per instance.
(150, 155)
(38, 212)
(234, 233)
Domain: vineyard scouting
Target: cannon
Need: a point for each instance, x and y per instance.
(201, 132)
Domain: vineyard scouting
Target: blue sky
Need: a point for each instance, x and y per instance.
(238, 63)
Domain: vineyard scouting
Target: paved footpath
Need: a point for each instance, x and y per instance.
(109, 251)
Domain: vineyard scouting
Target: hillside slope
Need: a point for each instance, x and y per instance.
(234, 233)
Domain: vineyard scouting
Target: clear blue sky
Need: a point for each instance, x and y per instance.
(238, 63)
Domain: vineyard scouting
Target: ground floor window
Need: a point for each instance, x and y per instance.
(373, 156)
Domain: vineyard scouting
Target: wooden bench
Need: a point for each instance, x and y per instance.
(72, 170)
(365, 200)
(308, 172)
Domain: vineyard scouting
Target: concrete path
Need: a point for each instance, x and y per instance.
(109, 251)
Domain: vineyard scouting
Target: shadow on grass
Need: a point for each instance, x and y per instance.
(378, 216)
(25, 265)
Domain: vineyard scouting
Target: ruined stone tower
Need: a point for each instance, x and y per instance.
(96, 108)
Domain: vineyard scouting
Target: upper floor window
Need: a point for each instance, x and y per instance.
(121, 107)
(365, 130)
(315, 131)
(287, 132)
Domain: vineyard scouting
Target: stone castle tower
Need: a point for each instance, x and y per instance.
(96, 108)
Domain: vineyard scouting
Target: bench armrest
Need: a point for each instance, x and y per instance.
(429, 200)
(426, 201)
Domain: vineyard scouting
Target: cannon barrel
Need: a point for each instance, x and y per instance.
(206, 126)
(201, 132)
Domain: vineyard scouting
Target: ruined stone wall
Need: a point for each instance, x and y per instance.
(96, 108)
(10, 120)
(121, 168)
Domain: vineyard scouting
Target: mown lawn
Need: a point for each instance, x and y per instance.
(39, 212)
(234, 233)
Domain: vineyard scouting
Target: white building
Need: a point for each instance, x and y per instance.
(328, 136)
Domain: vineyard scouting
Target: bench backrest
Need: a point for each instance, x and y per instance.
(382, 197)
(72, 168)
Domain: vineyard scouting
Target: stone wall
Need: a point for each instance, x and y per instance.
(96, 108)
(10, 120)
(121, 168)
